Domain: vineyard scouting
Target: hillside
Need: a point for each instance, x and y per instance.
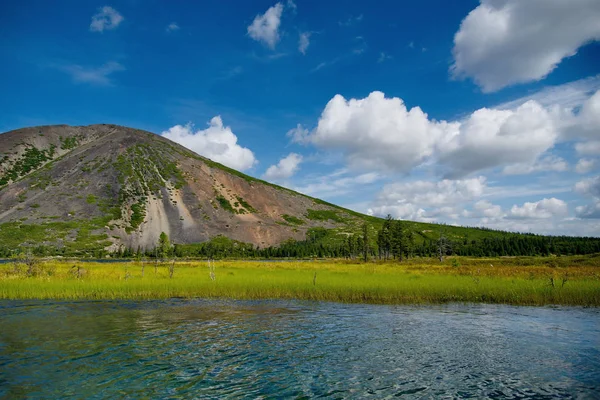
(104, 187)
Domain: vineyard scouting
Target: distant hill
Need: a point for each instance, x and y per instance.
(105, 187)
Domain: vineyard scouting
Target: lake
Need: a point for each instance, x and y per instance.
(291, 349)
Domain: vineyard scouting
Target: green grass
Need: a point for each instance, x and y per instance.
(245, 204)
(31, 159)
(91, 199)
(292, 220)
(69, 142)
(86, 243)
(225, 204)
(413, 282)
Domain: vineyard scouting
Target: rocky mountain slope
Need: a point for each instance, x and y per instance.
(106, 186)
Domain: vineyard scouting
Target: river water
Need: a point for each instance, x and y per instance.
(291, 349)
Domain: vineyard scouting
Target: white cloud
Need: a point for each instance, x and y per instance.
(303, 42)
(216, 142)
(589, 187)
(568, 95)
(585, 165)
(380, 133)
(545, 164)
(588, 148)
(299, 134)
(546, 208)
(375, 132)
(586, 123)
(504, 42)
(439, 193)
(93, 75)
(265, 27)
(172, 27)
(286, 167)
(485, 209)
(490, 138)
(591, 211)
(406, 211)
(424, 200)
(107, 18)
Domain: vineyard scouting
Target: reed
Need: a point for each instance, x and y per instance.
(507, 281)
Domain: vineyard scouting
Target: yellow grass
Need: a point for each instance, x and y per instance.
(526, 281)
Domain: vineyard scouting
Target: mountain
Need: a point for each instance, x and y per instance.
(86, 190)
(105, 186)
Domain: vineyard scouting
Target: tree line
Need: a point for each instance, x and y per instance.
(394, 240)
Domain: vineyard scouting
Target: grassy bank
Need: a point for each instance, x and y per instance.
(519, 281)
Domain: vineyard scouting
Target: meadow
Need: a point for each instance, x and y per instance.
(571, 280)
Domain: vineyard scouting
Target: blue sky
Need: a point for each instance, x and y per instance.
(476, 113)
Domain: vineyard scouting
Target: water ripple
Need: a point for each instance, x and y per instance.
(285, 349)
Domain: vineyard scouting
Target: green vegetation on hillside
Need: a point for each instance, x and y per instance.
(143, 171)
(245, 204)
(69, 142)
(225, 204)
(292, 220)
(80, 238)
(30, 160)
(138, 213)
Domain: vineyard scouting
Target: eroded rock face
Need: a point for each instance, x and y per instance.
(126, 186)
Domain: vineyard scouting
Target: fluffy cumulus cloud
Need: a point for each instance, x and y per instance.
(381, 133)
(498, 45)
(216, 142)
(585, 165)
(490, 138)
(485, 210)
(107, 18)
(265, 27)
(589, 187)
(424, 200)
(375, 132)
(546, 208)
(589, 211)
(285, 168)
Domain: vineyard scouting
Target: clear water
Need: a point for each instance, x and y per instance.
(283, 349)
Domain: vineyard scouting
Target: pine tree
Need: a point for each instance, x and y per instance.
(365, 241)
(398, 240)
(164, 245)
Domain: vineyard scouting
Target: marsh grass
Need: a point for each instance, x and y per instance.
(508, 281)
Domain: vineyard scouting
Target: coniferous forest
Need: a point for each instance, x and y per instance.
(394, 240)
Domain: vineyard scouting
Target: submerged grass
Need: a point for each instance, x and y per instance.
(508, 281)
